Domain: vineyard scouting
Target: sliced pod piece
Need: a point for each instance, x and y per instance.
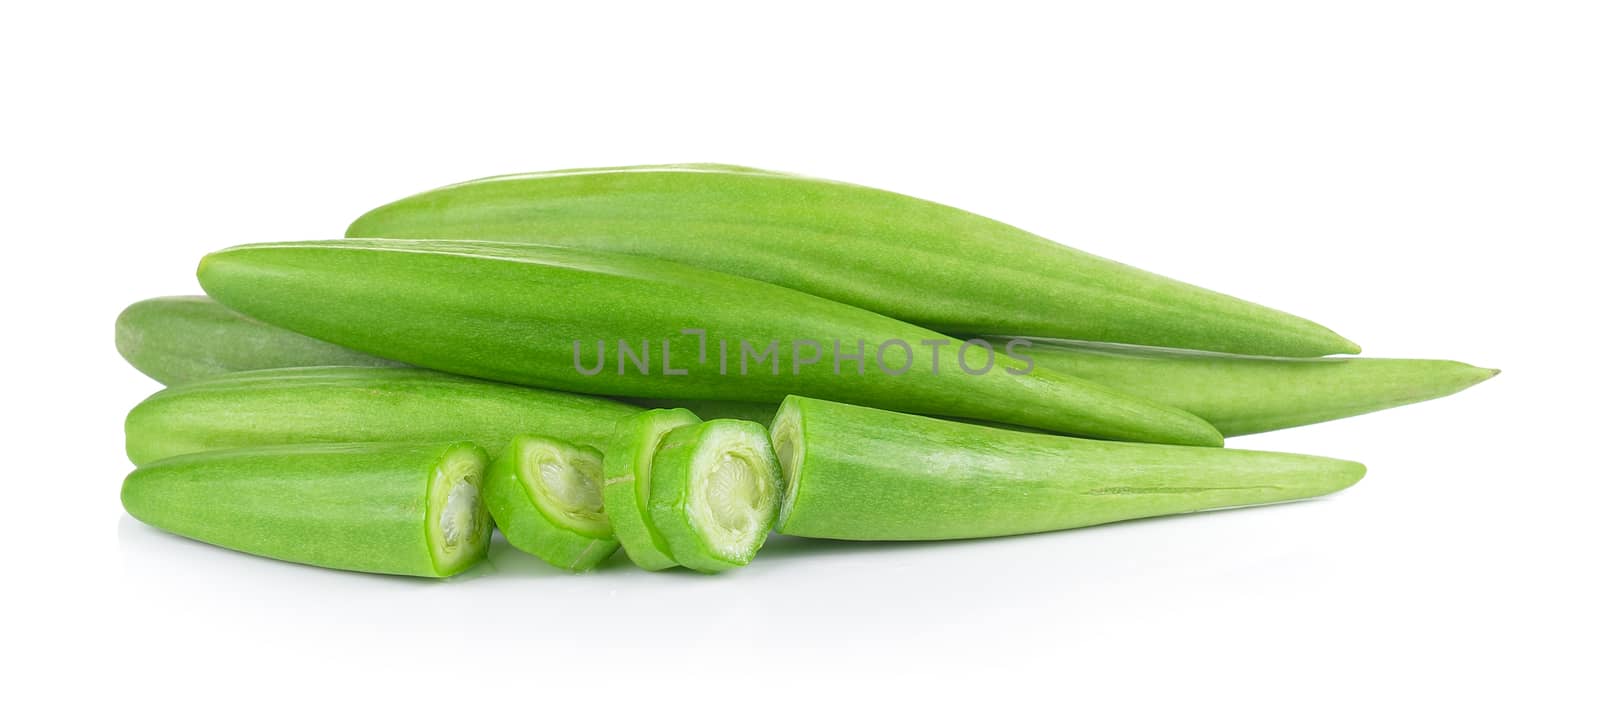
(629, 455)
(544, 495)
(853, 473)
(356, 404)
(386, 508)
(714, 493)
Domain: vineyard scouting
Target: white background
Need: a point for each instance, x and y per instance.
(1421, 177)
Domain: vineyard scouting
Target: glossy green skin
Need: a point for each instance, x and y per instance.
(181, 338)
(867, 474)
(629, 456)
(526, 526)
(356, 404)
(1241, 395)
(513, 313)
(937, 266)
(344, 506)
(673, 477)
(175, 339)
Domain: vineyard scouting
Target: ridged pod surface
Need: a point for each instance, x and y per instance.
(356, 404)
(178, 339)
(174, 339)
(523, 313)
(388, 508)
(1242, 394)
(933, 265)
(853, 473)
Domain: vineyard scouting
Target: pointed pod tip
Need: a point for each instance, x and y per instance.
(206, 270)
(367, 224)
(1345, 345)
(213, 260)
(1349, 474)
(1471, 376)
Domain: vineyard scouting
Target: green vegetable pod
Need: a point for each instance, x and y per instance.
(714, 493)
(853, 473)
(356, 404)
(544, 495)
(175, 339)
(388, 508)
(1241, 395)
(525, 314)
(630, 456)
(178, 339)
(933, 265)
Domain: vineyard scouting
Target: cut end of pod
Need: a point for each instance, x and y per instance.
(716, 492)
(388, 508)
(545, 495)
(630, 454)
(788, 445)
(458, 519)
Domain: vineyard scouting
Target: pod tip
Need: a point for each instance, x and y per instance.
(361, 226)
(1473, 375)
(1353, 472)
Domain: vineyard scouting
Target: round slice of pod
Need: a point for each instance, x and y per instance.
(714, 493)
(629, 455)
(544, 495)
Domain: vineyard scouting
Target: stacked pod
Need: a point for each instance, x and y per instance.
(178, 339)
(338, 402)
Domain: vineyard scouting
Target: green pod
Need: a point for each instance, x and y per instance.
(933, 265)
(175, 339)
(386, 508)
(356, 404)
(525, 313)
(544, 495)
(714, 493)
(1241, 395)
(629, 457)
(853, 473)
(178, 339)
(181, 338)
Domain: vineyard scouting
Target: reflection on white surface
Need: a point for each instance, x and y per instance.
(810, 590)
